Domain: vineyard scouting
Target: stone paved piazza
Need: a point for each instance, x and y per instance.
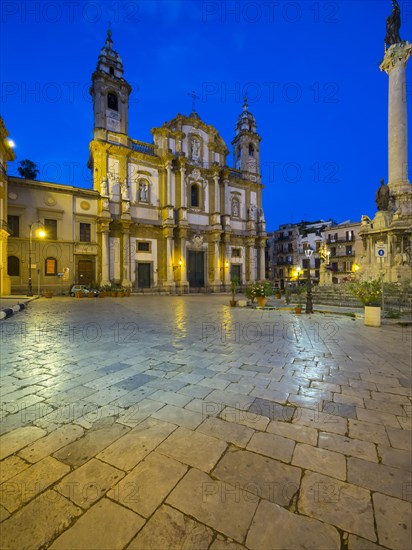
(178, 422)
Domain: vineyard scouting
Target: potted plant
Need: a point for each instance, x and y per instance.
(48, 294)
(233, 287)
(370, 294)
(278, 293)
(260, 290)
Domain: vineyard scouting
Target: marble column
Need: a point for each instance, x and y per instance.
(394, 65)
(262, 262)
(105, 258)
(126, 259)
(168, 236)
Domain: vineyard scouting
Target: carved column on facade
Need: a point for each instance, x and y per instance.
(262, 259)
(214, 249)
(226, 259)
(105, 254)
(250, 260)
(183, 254)
(126, 260)
(168, 236)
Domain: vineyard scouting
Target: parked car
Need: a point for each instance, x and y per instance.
(86, 290)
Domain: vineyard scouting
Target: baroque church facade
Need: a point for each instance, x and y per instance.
(172, 215)
(168, 215)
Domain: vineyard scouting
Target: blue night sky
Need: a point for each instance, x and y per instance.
(310, 69)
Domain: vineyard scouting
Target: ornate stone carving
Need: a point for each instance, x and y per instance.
(197, 241)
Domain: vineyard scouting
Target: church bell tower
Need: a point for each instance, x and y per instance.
(246, 143)
(110, 92)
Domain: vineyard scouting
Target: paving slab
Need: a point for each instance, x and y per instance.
(221, 506)
(148, 484)
(169, 528)
(260, 475)
(393, 521)
(30, 482)
(379, 477)
(53, 514)
(345, 506)
(129, 450)
(193, 448)
(274, 528)
(105, 525)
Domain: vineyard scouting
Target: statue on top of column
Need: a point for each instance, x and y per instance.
(393, 24)
(382, 196)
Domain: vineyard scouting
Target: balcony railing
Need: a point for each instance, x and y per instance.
(142, 147)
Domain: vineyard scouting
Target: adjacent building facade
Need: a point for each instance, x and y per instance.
(6, 155)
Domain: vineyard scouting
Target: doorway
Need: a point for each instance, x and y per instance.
(196, 269)
(236, 272)
(85, 272)
(144, 275)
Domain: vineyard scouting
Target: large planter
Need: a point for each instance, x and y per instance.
(261, 301)
(372, 316)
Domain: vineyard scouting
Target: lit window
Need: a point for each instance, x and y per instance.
(50, 266)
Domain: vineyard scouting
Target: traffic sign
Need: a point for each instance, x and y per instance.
(381, 250)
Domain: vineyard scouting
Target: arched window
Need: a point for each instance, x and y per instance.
(50, 266)
(13, 266)
(112, 70)
(251, 150)
(194, 196)
(112, 102)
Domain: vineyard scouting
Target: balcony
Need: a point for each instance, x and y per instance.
(142, 147)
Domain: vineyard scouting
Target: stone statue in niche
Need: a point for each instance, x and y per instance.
(382, 196)
(251, 212)
(195, 149)
(235, 208)
(261, 215)
(105, 186)
(393, 24)
(143, 191)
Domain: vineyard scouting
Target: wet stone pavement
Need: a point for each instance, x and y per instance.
(178, 422)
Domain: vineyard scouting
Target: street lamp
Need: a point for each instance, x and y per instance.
(40, 233)
(309, 303)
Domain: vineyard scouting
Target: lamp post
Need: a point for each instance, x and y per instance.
(41, 233)
(309, 303)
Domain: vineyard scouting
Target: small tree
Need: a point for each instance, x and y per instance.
(28, 169)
